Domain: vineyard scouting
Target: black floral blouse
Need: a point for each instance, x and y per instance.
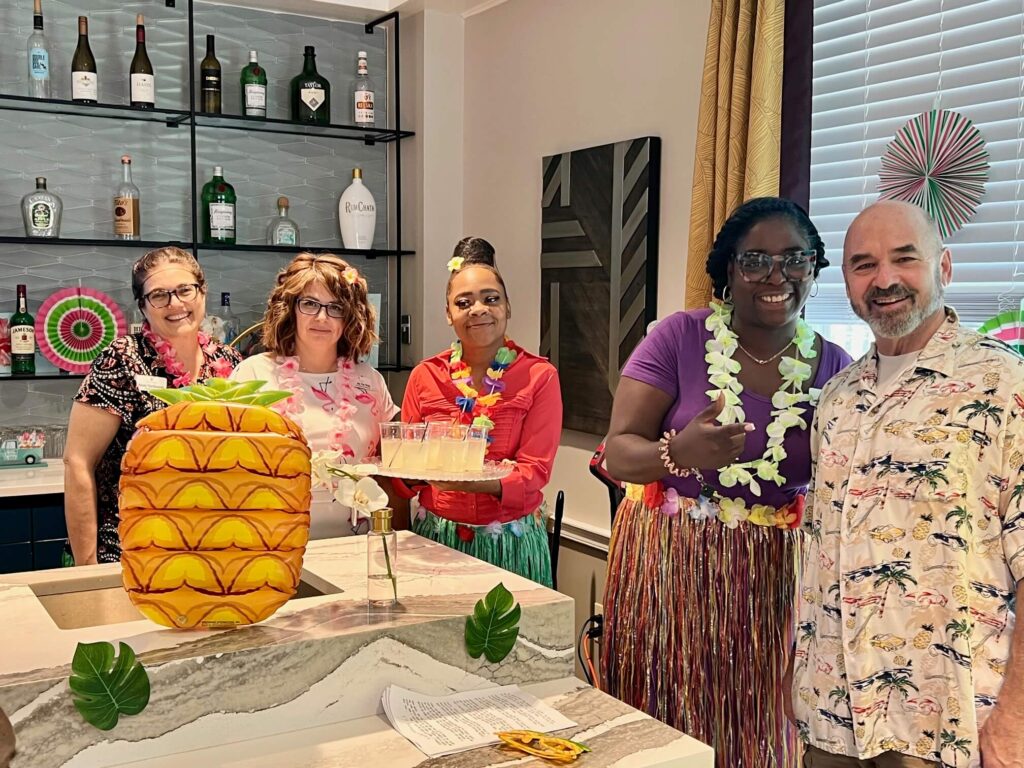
(112, 384)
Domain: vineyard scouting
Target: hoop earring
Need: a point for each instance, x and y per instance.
(814, 289)
(727, 295)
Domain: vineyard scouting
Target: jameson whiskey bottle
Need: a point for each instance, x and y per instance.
(209, 80)
(362, 95)
(38, 57)
(282, 230)
(254, 88)
(23, 338)
(218, 210)
(85, 84)
(41, 210)
(127, 223)
(142, 83)
(311, 93)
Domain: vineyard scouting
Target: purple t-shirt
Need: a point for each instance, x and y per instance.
(671, 358)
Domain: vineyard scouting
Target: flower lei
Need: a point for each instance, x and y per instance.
(787, 402)
(471, 403)
(296, 405)
(169, 358)
(730, 512)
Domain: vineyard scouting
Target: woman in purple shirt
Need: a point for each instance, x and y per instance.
(710, 428)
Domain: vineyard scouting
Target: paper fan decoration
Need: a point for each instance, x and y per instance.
(937, 161)
(1008, 327)
(75, 324)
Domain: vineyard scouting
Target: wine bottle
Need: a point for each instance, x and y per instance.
(85, 82)
(127, 223)
(209, 77)
(38, 56)
(282, 230)
(254, 88)
(218, 209)
(311, 93)
(362, 95)
(143, 83)
(23, 338)
(357, 213)
(41, 210)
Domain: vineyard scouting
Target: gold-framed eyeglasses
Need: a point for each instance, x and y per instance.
(161, 297)
(757, 266)
(308, 306)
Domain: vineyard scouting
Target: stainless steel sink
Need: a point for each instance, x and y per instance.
(94, 601)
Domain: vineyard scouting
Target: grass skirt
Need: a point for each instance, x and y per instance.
(698, 629)
(520, 546)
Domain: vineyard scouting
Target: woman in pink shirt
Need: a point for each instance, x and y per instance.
(486, 378)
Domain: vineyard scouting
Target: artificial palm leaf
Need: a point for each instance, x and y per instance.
(104, 688)
(494, 626)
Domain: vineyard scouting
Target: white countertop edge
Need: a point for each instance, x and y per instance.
(15, 482)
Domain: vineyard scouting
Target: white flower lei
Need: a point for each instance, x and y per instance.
(786, 402)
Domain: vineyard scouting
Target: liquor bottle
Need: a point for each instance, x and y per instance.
(357, 213)
(209, 78)
(311, 93)
(218, 209)
(362, 99)
(381, 561)
(229, 323)
(41, 211)
(254, 88)
(23, 338)
(85, 82)
(282, 230)
(127, 221)
(136, 320)
(143, 84)
(38, 56)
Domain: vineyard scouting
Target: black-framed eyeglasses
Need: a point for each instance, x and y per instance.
(757, 267)
(308, 306)
(161, 298)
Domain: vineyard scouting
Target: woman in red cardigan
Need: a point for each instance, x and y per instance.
(486, 378)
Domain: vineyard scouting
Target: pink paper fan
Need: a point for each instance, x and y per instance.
(74, 325)
(937, 161)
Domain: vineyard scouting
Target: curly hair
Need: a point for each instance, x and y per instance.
(158, 257)
(475, 252)
(742, 220)
(279, 323)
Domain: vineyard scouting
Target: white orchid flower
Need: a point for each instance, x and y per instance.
(363, 495)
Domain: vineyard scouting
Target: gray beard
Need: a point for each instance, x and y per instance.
(897, 326)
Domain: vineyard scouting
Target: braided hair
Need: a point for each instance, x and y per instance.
(742, 220)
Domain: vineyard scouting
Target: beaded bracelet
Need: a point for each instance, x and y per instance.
(670, 465)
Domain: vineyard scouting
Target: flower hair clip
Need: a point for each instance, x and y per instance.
(455, 263)
(351, 275)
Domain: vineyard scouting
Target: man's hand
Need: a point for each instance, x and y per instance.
(1002, 737)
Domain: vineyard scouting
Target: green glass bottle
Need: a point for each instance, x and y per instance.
(254, 88)
(311, 93)
(23, 338)
(218, 210)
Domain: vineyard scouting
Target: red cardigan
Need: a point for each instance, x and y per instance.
(527, 429)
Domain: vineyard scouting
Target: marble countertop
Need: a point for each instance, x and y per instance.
(32, 481)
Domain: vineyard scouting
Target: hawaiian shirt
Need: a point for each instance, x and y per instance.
(914, 549)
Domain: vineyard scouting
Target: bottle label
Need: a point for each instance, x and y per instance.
(211, 81)
(143, 89)
(255, 98)
(39, 63)
(285, 237)
(312, 97)
(364, 107)
(42, 215)
(222, 220)
(23, 340)
(360, 207)
(126, 216)
(85, 85)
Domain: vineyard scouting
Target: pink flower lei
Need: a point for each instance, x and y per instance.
(344, 398)
(170, 362)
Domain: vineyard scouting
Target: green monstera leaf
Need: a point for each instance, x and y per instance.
(494, 626)
(104, 688)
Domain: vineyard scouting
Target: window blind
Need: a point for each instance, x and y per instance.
(879, 63)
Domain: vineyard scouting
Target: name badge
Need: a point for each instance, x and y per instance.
(149, 383)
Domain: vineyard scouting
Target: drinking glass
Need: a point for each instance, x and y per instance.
(390, 444)
(476, 448)
(414, 447)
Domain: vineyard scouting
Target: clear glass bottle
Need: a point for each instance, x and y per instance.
(218, 209)
(38, 56)
(254, 88)
(229, 323)
(381, 561)
(41, 211)
(282, 230)
(362, 95)
(127, 222)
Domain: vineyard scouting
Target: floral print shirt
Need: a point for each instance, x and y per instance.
(915, 546)
(113, 384)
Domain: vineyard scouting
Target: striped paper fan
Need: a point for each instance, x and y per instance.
(75, 324)
(937, 161)
(1008, 327)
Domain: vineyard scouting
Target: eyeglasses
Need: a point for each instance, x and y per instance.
(312, 307)
(757, 267)
(161, 298)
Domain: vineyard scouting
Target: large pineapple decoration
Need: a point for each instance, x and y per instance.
(214, 507)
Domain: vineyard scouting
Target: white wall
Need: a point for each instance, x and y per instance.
(548, 76)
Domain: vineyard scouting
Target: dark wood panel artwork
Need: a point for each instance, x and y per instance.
(599, 269)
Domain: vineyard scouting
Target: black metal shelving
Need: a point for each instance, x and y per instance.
(193, 119)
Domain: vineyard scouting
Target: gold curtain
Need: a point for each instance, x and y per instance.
(739, 125)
